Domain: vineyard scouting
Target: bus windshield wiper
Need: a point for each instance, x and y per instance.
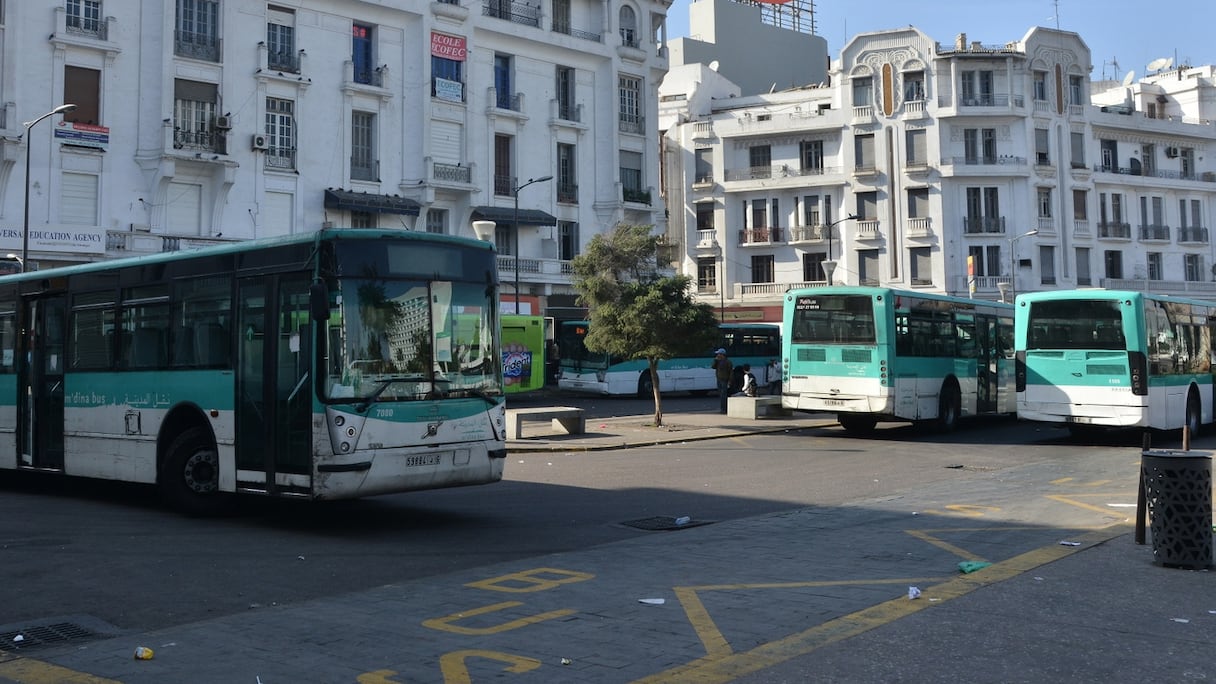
(384, 384)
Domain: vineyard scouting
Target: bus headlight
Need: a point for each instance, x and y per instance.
(344, 447)
(339, 420)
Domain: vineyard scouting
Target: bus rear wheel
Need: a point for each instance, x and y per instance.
(1194, 415)
(857, 422)
(190, 475)
(949, 406)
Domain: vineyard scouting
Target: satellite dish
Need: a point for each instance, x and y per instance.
(1158, 64)
(713, 66)
(1127, 80)
(1169, 62)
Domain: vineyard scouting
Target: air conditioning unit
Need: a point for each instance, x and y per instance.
(1171, 152)
(223, 123)
(260, 142)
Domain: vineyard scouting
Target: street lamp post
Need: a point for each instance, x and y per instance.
(1013, 274)
(829, 265)
(25, 233)
(515, 191)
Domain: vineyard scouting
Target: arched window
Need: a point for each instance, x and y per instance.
(629, 26)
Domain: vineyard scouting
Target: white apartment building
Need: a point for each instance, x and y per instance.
(921, 158)
(199, 121)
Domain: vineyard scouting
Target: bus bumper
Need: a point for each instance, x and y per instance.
(815, 403)
(1095, 415)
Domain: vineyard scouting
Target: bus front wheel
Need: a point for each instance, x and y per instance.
(645, 385)
(190, 475)
(857, 422)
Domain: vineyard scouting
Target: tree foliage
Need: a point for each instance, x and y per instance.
(637, 311)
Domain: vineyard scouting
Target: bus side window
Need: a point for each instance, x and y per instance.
(147, 348)
(211, 344)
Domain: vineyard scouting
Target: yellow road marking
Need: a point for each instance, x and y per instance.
(446, 623)
(726, 666)
(455, 672)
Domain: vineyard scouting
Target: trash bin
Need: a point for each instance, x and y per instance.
(1178, 493)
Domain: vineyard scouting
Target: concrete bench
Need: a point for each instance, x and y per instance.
(754, 407)
(565, 419)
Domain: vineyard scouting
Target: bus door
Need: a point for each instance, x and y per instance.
(986, 350)
(274, 395)
(40, 384)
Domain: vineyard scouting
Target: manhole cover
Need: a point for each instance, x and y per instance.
(44, 635)
(664, 522)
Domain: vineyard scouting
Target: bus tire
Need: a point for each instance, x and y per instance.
(949, 406)
(860, 423)
(190, 474)
(645, 385)
(1194, 413)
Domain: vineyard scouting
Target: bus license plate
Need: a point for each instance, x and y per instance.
(424, 460)
(834, 402)
(1082, 420)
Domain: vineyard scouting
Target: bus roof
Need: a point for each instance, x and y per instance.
(1105, 294)
(250, 245)
(870, 291)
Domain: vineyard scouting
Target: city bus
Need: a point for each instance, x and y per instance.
(871, 354)
(319, 366)
(581, 370)
(1091, 359)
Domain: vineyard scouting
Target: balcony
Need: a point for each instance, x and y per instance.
(565, 28)
(567, 193)
(1193, 235)
(635, 124)
(442, 172)
(139, 242)
(514, 12)
(1046, 225)
(206, 140)
(915, 109)
(204, 46)
(868, 229)
(987, 160)
(919, 227)
(1081, 229)
(1182, 287)
(536, 271)
(817, 233)
(505, 100)
(984, 225)
(635, 195)
(1113, 230)
(760, 236)
(281, 158)
(1154, 232)
(286, 61)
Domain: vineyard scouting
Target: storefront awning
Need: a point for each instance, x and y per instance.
(371, 203)
(506, 215)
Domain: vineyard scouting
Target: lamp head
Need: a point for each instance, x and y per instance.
(64, 108)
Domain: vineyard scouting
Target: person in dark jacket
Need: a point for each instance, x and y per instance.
(723, 371)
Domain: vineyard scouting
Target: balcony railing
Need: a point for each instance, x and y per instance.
(976, 225)
(567, 29)
(204, 141)
(85, 26)
(987, 160)
(280, 158)
(283, 60)
(765, 235)
(808, 233)
(1206, 177)
(196, 45)
(503, 185)
(919, 227)
(1154, 231)
(636, 196)
(1193, 234)
(1115, 230)
(451, 173)
(567, 193)
(515, 12)
(632, 124)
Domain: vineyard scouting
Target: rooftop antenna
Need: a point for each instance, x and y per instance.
(1056, 12)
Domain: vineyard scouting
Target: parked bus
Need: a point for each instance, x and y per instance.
(1093, 358)
(871, 354)
(525, 342)
(581, 370)
(318, 366)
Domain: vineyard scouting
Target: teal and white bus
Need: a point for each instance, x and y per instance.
(871, 354)
(319, 366)
(582, 370)
(1093, 358)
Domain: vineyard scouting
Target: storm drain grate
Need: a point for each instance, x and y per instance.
(663, 522)
(43, 635)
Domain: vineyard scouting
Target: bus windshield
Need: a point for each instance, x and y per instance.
(833, 319)
(1075, 324)
(399, 339)
(573, 350)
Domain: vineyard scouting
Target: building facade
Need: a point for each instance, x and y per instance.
(199, 121)
(964, 168)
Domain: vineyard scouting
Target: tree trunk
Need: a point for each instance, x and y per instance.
(658, 397)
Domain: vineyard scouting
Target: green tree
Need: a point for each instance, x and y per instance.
(636, 310)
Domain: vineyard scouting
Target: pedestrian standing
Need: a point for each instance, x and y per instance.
(723, 370)
(773, 375)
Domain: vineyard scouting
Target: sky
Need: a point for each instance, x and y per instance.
(1122, 35)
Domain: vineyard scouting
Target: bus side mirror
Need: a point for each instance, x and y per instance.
(318, 302)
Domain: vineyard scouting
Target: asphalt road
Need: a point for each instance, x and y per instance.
(112, 553)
